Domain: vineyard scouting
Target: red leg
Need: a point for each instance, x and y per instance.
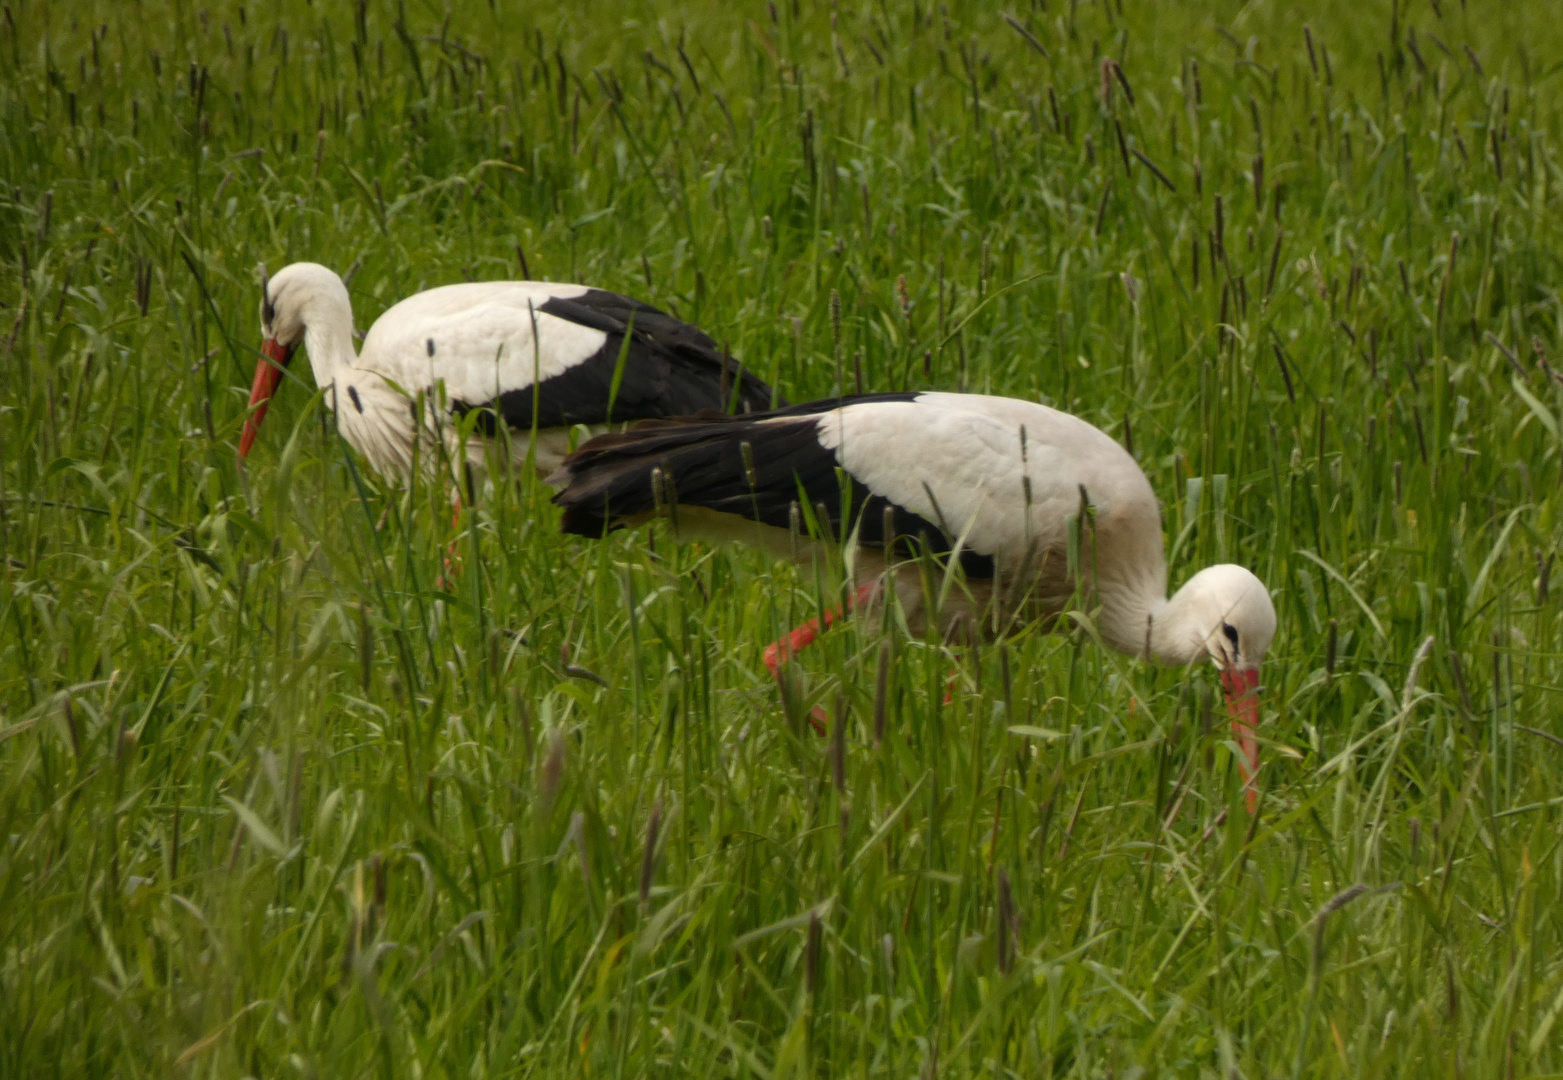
(784, 648)
(818, 720)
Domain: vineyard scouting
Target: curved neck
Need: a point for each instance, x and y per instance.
(1145, 624)
(1177, 636)
(328, 336)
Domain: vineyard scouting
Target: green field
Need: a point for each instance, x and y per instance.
(274, 803)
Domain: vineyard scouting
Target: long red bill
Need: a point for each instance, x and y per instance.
(1242, 694)
(268, 373)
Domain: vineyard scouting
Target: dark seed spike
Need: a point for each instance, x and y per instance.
(1155, 169)
(1443, 289)
(1475, 63)
(1022, 31)
(1123, 81)
(881, 691)
(648, 858)
(1275, 263)
(822, 518)
(811, 954)
(1008, 923)
(835, 335)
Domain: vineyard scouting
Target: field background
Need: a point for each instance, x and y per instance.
(274, 804)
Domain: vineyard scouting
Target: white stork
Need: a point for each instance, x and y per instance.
(491, 345)
(990, 482)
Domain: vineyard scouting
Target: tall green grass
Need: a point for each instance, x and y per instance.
(274, 803)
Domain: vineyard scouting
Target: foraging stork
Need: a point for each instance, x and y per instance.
(988, 482)
(525, 353)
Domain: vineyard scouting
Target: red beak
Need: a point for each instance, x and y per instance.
(1242, 693)
(268, 373)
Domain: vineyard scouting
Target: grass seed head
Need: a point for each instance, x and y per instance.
(552, 773)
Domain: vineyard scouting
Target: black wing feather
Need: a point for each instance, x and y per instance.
(609, 479)
(670, 369)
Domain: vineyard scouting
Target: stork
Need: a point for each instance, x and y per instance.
(989, 483)
(525, 354)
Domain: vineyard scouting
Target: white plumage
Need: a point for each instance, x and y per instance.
(991, 481)
(518, 352)
(956, 460)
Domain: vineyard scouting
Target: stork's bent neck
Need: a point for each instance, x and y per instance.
(1223, 598)
(328, 337)
(1174, 636)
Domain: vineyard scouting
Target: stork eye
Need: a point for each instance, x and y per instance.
(1230, 631)
(268, 310)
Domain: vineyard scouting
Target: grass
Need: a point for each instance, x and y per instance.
(273, 804)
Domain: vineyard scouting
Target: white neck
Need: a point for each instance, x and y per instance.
(328, 335)
(1222, 601)
(1177, 635)
(1138, 620)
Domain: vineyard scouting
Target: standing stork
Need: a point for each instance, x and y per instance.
(990, 483)
(527, 354)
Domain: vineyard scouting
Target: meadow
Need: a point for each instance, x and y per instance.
(279, 799)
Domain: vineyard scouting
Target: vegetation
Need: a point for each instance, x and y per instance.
(275, 801)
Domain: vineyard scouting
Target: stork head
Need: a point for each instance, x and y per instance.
(1230, 610)
(300, 296)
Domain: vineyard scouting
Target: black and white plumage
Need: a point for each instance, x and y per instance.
(788, 462)
(992, 481)
(517, 352)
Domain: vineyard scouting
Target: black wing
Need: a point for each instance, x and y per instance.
(670, 369)
(703, 457)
